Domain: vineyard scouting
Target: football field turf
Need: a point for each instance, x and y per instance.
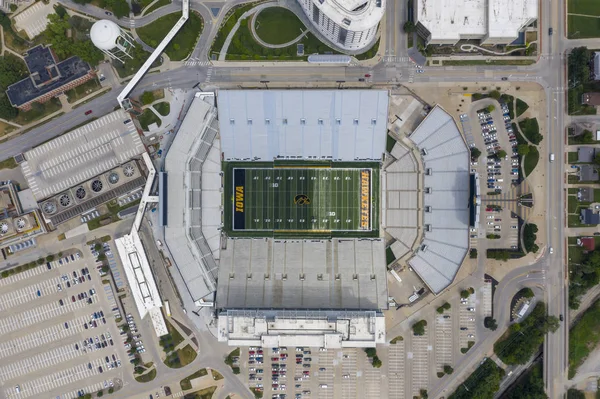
(302, 199)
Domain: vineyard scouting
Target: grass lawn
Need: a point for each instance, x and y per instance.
(522, 106)
(257, 394)
(182, 44)
(531, 161)
(38, 111)
(229, 22)
(149, 376)
(531, 129)
(5, 128)
(573, 190)
(277, 25)
(216, 375)
(367, 55)
(572, 157)
(572, 204)
(187, 355)
(8, 163)
(157, 5)
(185, 383)
(244, 47)
(575, 253)
(581, 27)
(205, 393)
(177, 338)
(584, 337)
(390, 143)
(83, 90)
(163, 108)
(587, 7)
(596, 195)
(147, 118)
(573, 221)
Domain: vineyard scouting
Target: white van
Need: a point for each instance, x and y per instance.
(323, 385)
(552, 157)
(500, 180)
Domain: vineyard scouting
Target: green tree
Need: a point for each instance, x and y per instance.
(482, 384)
(111, 390)
(524, 338)
(12, 69)
(99, 393)
(464, 294)
(531, 386)
(120, 8)
(526, 292)
(490, 322)
(377, 362)
(40, 261)
(409, 27)
(501, 154)
(495, 94)
(573, 393)
(371, 352)
(578, 66)
(7, 111)
(60, 10)
(529, 237)
(523, 149)
(490, 108)
(97, 247)
(448, 369)
(475, 153)
(49, 258)
(419, 327)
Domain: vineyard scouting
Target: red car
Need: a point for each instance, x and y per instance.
(88, 112)
(367, 75)
(251, 353)
(274, 359)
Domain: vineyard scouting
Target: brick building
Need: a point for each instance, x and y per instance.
(47, 77)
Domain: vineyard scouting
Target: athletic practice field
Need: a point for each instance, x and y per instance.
(302, 199)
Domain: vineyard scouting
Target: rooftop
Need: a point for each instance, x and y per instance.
(454, 19)
(354, 15)
(46, 75)
(585, 154)
(302, 274)
(446, 199)
(81, 154)
(264, 125)
(193, 218)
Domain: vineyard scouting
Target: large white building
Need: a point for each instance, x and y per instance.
(491, 21)
(350, 24)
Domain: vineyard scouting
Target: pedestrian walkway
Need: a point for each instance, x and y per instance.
(115, 271)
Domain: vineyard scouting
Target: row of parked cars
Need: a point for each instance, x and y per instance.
(512, 137)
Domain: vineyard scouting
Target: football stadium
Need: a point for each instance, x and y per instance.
(280, 208)
(304, 198)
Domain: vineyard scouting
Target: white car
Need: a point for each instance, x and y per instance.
(470, 336)
(490, 223)
(551, 250)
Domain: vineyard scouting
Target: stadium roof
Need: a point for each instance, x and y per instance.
(264, 125)
(303, 274)
(187, 202)
(81, 154)
(446, 200)
(449, 20)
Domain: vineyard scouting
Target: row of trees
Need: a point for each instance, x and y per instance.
(524, 338)
(583, 276)
(529, 237)
(483, 383)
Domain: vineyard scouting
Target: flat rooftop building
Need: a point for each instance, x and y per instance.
(47, 77)
(81, 154)
(491, 21)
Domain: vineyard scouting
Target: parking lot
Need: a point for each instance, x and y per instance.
(467, 321)
(493, 134)
(57, 331)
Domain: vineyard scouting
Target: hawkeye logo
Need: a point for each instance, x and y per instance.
(301, 199)
(365, 183)
(239, 199)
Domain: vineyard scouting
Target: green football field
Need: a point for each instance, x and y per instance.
(302, 199)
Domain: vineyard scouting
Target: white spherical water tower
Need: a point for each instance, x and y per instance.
(111, 39)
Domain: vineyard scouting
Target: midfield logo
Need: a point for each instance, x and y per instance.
(301, 199)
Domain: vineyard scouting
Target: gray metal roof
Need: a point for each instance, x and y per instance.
(302, 274)
(81, 154)
(446, 218)
(265, 125)
(184, 167)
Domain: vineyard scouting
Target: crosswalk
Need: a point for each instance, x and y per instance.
(197, 62)
(208, 74)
